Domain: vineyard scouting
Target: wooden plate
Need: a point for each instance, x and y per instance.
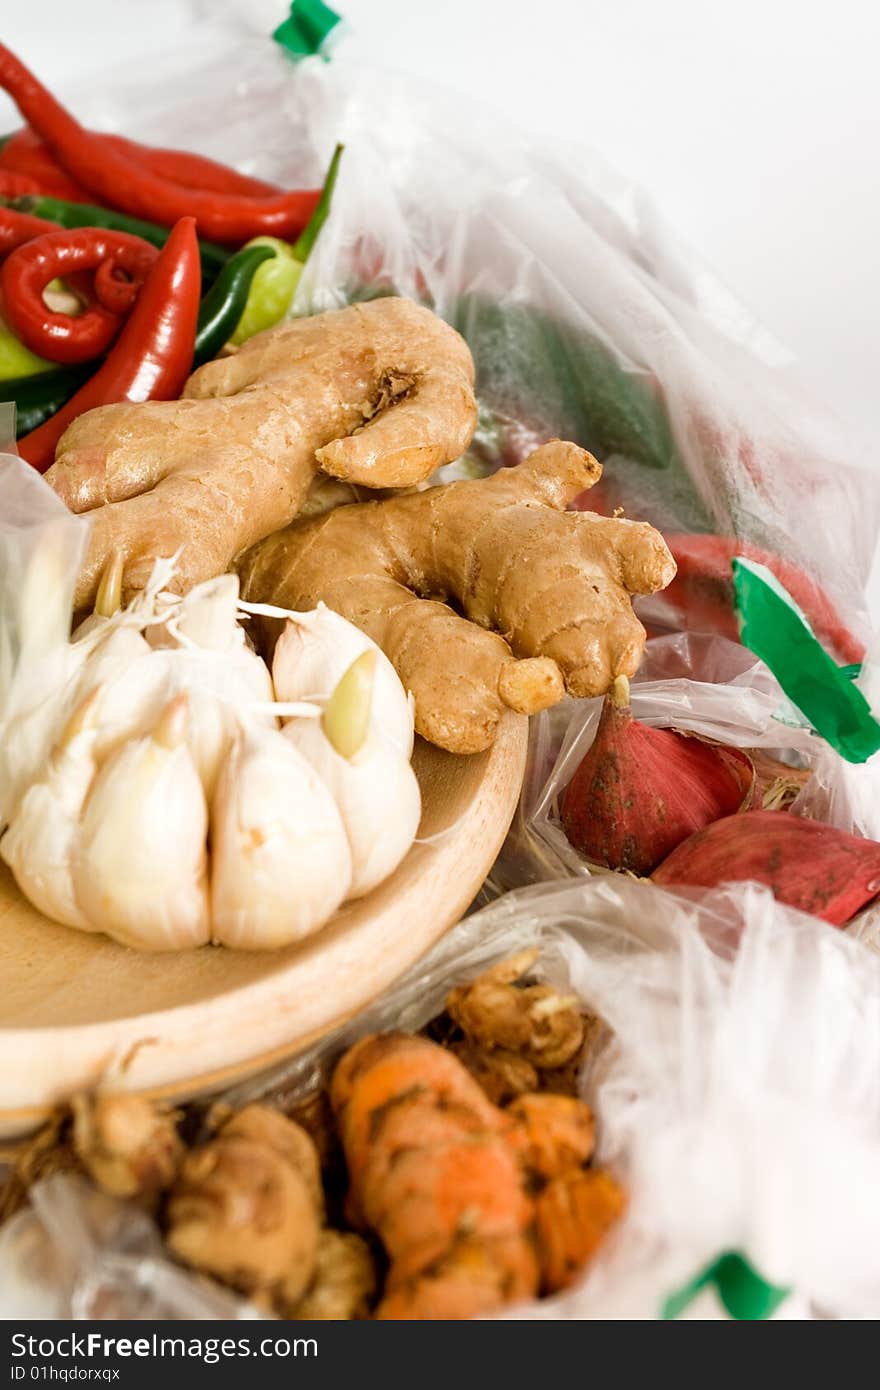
(75, 1008)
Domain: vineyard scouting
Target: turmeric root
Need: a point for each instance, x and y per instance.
(244, 1205)
(574, 1213)
(534, 1021)
(379, 394)
(552, 1134)
(433, 1174)
(545, 594)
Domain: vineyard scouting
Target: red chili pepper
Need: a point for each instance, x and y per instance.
(704, 586)
(15, 185)
(114, 288)
(114, 179)
(61, 253)
(192, 170)
(25, 153)
(153, 355)
(18, 227)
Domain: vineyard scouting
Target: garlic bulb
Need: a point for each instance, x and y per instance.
(280, 858)
(376, 793)
(140, 863)
(201, 649)
(39, 843)
(313, 653)
(134, 687)
(372, 783)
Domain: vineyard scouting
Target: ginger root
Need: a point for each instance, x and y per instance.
(245, 1206)
(533, 1021)
(544, 594)
(344, 1281)
(127, 1145)
(379, 394)
(501, 1074)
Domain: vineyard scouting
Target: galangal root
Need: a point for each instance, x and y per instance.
(542, 596)
(379, 394)
(500, 1010)
(472, 1203)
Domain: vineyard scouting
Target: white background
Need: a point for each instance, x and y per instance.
(755, 125)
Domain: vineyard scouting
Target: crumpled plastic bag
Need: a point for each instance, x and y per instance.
(42, 545)
(738, 1098)
(75, 1252)
(586, 318)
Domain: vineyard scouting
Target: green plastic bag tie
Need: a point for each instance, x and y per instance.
(775, 629)
(306, 28)
(746, 1296)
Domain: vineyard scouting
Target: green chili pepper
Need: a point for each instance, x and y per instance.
(88, 215)
(274, 285)
(37, 398)
(309, 234)
(223, 305)
(16, 360)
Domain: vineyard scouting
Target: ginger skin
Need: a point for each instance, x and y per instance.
(379, 394)
(533, 1021)
(344, 1282)
(127, 1144)
(244, 1205)
(545, 593)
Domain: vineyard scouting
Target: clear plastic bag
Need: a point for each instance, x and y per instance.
(738, 1099)
(75, 1252)
(586, 319)
(41, 547)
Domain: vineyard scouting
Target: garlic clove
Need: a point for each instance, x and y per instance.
(135, 686)
(377, 795)
(209, 614)
(280, 858)
(224, 687)
(140, 864)
(312, 655)
(39, 844)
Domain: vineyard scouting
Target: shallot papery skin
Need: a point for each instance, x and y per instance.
(640, 791)
(810, 866)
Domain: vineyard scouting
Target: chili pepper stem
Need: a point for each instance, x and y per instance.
(303, 245)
